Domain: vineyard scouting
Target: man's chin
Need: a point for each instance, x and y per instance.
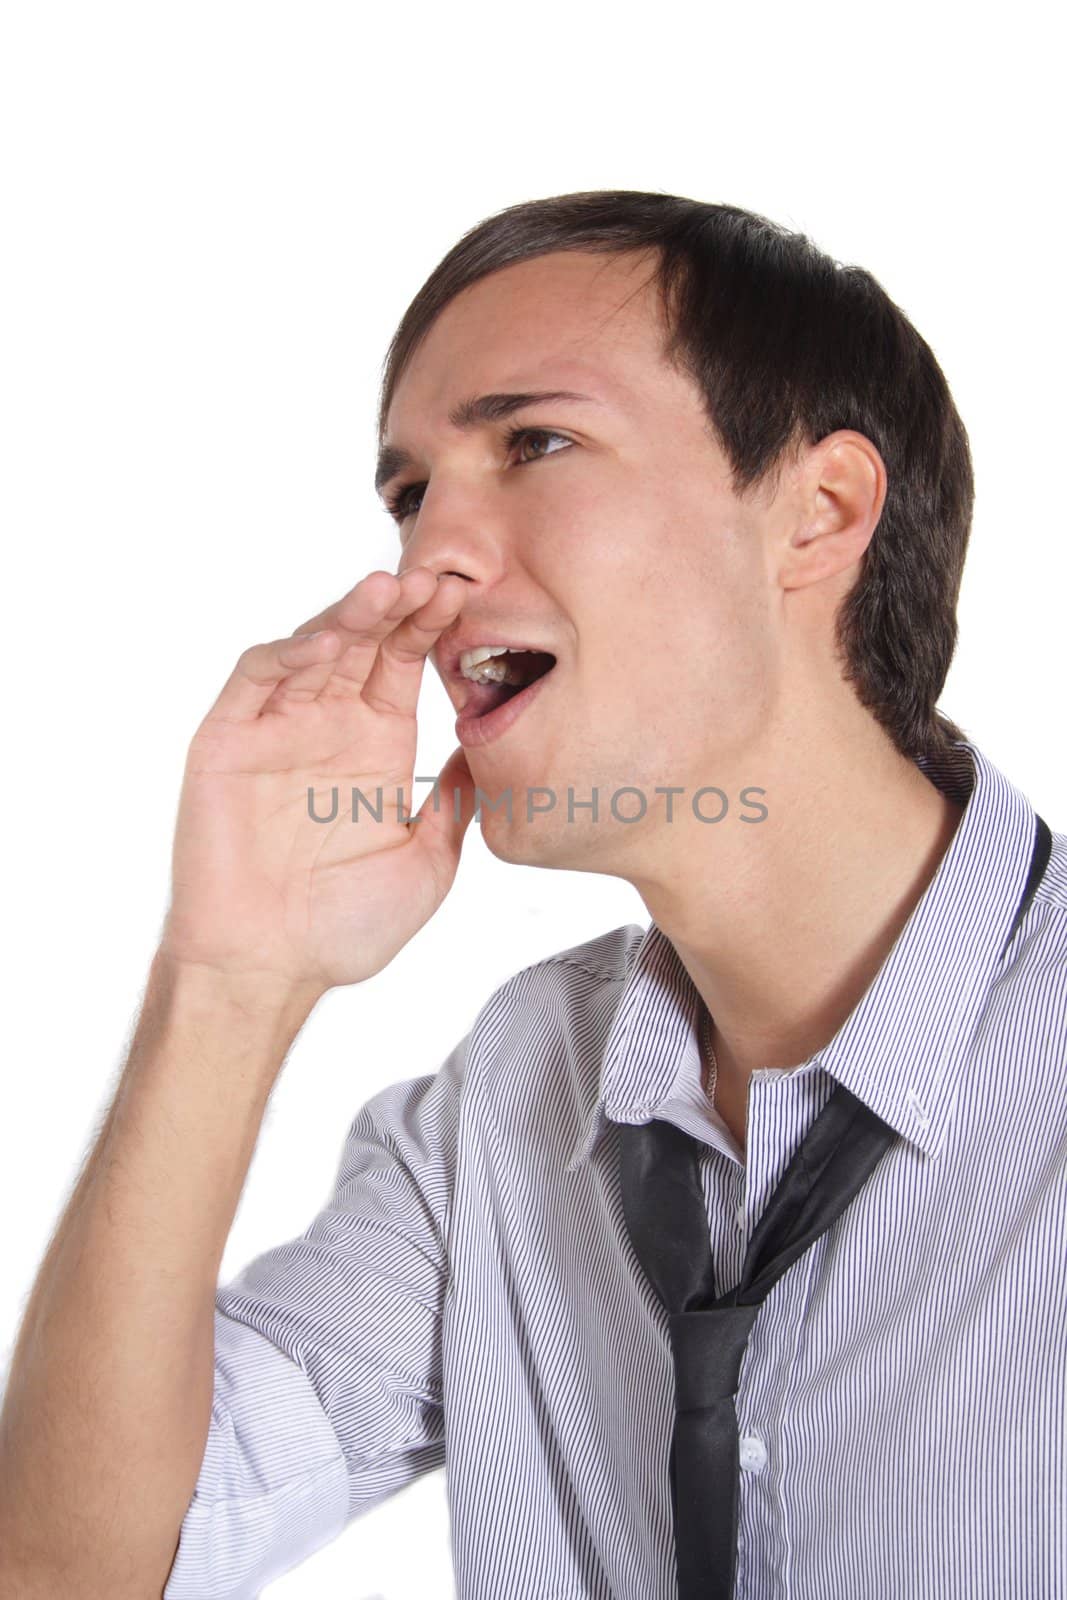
(545, 841)
(521, 842)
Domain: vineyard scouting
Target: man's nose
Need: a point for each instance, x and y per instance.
(450, 542)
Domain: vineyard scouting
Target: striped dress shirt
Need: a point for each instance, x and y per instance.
(469, 1297)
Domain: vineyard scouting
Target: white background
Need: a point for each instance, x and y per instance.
(214, 217)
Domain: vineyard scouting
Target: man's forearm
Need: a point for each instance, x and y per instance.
(108, 1400)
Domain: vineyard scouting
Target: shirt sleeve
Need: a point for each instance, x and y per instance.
(328, 1389)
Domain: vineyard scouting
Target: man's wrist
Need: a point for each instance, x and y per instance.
(200, 988)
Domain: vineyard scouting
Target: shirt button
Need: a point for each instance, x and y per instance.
(753, 1457)
(740, 1214)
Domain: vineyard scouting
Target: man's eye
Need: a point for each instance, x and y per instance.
(517, 434)
(399, 506)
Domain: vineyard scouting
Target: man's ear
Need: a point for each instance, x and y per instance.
(839, 492)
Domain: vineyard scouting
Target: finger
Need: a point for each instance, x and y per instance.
(262, 667)
(393, 681)
(418, 587)
(365, 615)
(369, 601)
(300, 687)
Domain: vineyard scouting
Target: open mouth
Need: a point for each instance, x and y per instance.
(502, 677)
(501, 683)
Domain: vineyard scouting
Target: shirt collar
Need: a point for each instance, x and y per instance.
(902, 1048)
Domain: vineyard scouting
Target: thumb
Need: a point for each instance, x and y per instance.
(440, 832)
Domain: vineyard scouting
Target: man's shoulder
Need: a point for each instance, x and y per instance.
(536, 1047)
(606, 958)
(561, 997)
(607, 955)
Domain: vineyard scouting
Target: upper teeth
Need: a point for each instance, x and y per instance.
(478, 666)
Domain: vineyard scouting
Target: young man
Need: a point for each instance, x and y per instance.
(717, 485)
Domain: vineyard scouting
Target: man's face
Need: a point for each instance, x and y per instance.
(618, 546)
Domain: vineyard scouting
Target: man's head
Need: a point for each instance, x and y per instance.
(765, 497)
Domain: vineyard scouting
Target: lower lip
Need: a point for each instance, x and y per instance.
(473, 732)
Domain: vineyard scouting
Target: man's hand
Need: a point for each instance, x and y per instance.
(260, 889)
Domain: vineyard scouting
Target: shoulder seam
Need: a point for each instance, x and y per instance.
(579, 966)
(562, 958)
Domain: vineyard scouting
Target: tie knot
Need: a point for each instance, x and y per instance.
(708, 1347)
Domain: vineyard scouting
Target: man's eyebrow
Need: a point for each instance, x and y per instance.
(485, 408)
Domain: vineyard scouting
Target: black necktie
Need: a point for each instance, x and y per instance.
(663, 1202)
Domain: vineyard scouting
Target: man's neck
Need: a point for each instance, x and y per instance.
(787, 926)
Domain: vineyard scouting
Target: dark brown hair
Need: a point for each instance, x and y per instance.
(787, 345)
